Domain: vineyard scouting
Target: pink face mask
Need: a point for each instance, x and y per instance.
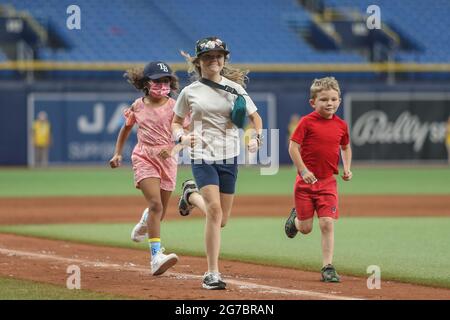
(159, 90)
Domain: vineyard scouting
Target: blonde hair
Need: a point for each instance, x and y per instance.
(234, 74)
(327, 83)
(135, 76)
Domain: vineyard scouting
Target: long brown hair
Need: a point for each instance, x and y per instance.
(234, 74)
(135, 76)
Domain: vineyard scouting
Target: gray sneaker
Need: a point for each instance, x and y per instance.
(329, 274)
(187, 188)
(213, 281)
(289, 228)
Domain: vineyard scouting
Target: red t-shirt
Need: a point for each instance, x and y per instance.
(320, 139)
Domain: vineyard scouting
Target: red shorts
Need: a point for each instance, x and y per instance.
(320, 197)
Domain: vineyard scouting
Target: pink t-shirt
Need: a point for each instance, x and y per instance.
(154, 135)
(154, 124)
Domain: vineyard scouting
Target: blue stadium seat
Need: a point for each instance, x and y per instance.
(146, 30)
(257, 31)
(424, 22)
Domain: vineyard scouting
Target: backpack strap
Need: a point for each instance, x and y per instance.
(216, 85)
(238, 112)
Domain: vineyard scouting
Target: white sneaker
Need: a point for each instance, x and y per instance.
(161, 262)
(139, 232)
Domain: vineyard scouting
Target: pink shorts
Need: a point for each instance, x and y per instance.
(320, 197)
(147, 164)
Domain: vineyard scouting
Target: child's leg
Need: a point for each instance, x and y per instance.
(227, 186)
(157, 202)
(196, 200)
(304, 226)
(165, 196)
(211, 196)
(226, 202)
(304, 206)
(327, 229)
(150, 187)
(301, 217)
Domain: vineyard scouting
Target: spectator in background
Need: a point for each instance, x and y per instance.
(41, 139)
(447, 139)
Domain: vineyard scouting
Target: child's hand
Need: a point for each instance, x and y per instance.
(164, 154)
(115, 161)
(175, 150)
(253, 145)
(188, 140)
(308, 176)
(347, 176)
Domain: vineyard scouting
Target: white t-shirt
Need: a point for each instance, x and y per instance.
(210, 119)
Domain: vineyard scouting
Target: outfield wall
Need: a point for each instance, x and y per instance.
(85, 116)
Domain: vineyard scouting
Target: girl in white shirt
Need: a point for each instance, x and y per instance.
(214, 139)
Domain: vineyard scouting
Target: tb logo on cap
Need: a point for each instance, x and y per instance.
(163, 67)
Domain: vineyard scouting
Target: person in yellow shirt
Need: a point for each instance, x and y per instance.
(447, 139)
(41, 139)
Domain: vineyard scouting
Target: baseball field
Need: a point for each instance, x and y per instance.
(395, 218)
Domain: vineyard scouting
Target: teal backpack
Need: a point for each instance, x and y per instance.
(239, 111)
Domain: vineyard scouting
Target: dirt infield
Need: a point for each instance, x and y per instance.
(126, 209)
(126, 271)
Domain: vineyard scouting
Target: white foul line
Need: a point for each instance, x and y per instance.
(240, 284)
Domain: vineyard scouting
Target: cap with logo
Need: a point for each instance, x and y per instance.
(157, 69)
(210, 44)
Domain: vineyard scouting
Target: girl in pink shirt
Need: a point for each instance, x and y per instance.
(154, 156)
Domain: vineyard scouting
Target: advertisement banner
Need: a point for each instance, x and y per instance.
(85, 125)
(397, 126)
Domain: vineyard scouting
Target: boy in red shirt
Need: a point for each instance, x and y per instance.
(314, 149)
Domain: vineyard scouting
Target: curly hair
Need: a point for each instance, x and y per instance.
(234, 74)
(135, 76)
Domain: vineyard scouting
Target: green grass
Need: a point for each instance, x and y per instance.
(107, 182)
(13, 289)
(409, 250)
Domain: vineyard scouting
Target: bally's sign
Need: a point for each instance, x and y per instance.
(397, 126)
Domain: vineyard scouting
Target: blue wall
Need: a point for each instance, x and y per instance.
(13, 126)
(291, 95)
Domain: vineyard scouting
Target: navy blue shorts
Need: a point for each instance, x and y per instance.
(221, 174)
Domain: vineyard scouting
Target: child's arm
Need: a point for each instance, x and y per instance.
(346, 153)
(176, 149)
(121, 139)
(179, 134)
(256, 141)
(294, 152)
